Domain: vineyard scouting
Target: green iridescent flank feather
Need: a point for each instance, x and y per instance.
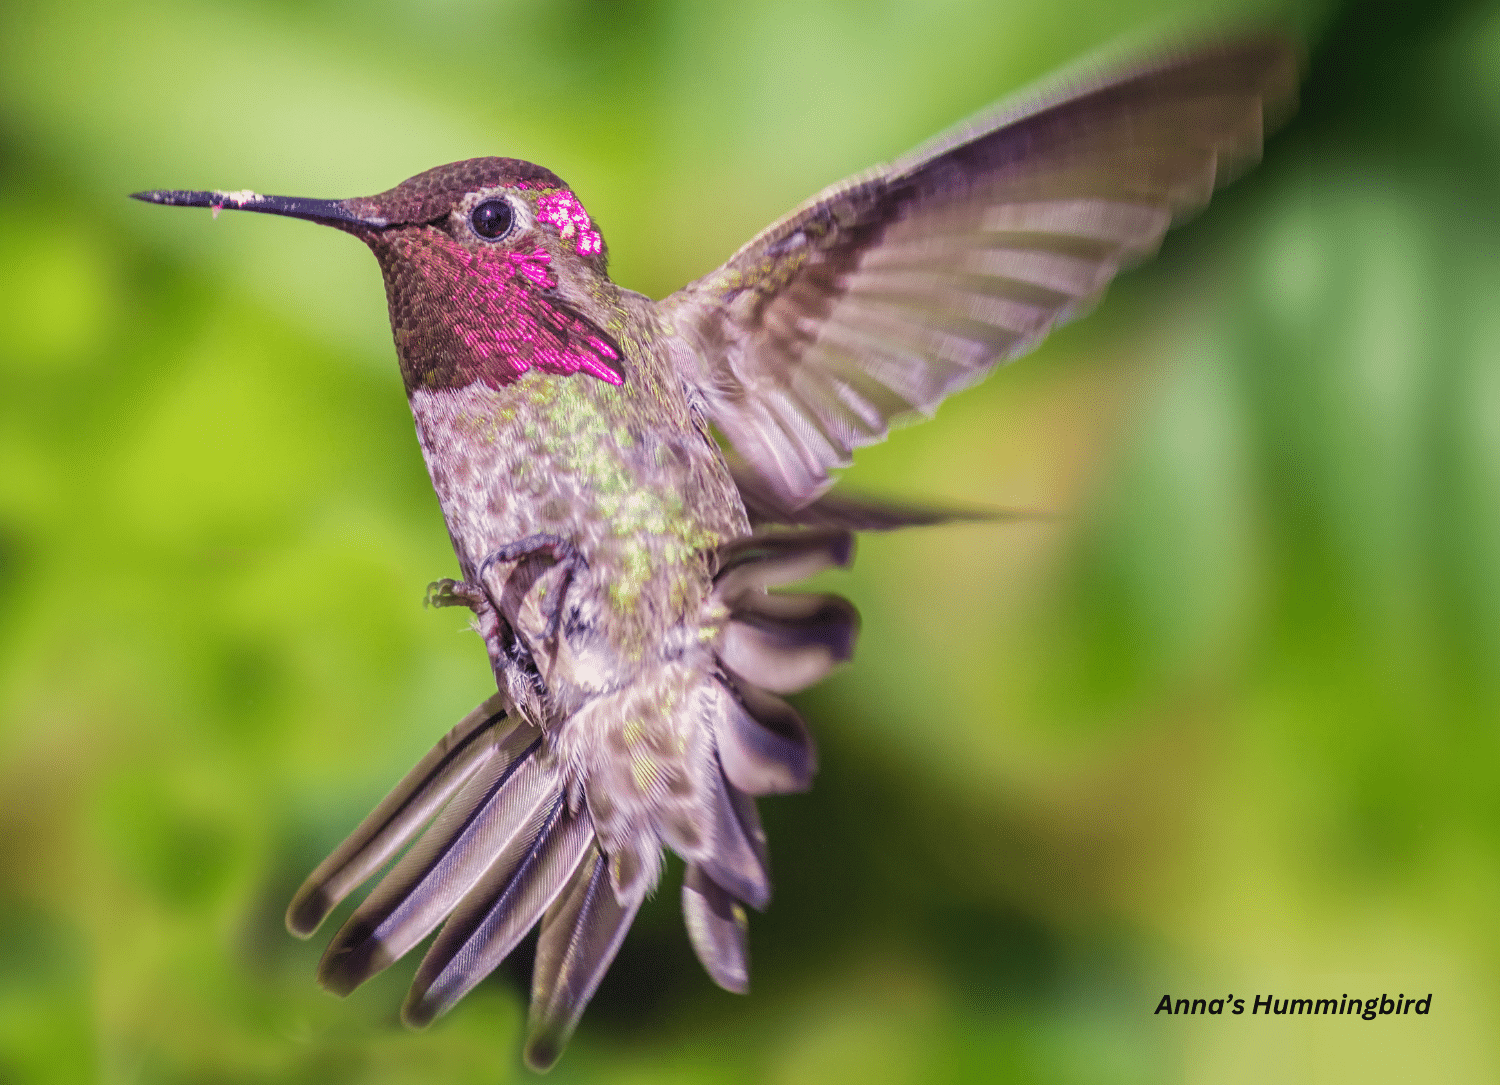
(593, 433)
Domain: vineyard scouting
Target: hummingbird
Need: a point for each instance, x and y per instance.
(626, 480)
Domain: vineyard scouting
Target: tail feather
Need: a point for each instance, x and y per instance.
(409, 806)
(567, 828)
(496, 913)
(634, 867)
(733, 858)
(763, 744)
(718, 929)
(581, 933)
(749, 819)
(787, 642)
(504, 800)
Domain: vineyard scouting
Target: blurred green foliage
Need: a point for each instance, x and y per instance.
(1228, 725)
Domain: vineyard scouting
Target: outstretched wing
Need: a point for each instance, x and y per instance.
(895, 288)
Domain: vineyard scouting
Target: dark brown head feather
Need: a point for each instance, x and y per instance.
(432, 194)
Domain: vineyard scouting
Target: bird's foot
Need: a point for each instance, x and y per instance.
(454, 593)
(561, 551)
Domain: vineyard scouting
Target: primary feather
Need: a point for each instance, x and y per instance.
(887, 292)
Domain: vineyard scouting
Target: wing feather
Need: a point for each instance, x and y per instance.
(885, 293)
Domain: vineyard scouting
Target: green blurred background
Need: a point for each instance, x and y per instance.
(1229, 725)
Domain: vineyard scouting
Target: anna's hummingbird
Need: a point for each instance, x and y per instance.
(618, 560)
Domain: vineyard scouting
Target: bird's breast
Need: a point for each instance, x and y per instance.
(642, 497)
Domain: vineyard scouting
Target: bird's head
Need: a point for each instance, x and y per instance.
(492, 268)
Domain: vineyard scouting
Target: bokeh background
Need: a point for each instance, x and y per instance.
(1227, 721)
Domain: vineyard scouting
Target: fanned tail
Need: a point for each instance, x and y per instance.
(513, 827)
(499, 846)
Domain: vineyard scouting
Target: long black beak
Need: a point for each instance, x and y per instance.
(328, 212)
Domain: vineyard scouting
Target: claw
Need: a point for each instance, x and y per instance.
(453, 593)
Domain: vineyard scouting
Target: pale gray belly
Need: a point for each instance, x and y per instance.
(644, 503)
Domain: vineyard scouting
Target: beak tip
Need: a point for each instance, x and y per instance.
(177, 198)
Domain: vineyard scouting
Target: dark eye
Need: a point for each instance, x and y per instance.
(492, 219)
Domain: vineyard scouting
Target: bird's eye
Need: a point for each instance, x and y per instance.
(492, 219)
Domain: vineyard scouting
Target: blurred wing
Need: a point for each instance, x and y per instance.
(842, 509)
(891, 290)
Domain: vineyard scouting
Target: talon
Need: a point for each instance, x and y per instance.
(453, 593)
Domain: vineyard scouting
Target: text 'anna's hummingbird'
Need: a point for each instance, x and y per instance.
(618, 562)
